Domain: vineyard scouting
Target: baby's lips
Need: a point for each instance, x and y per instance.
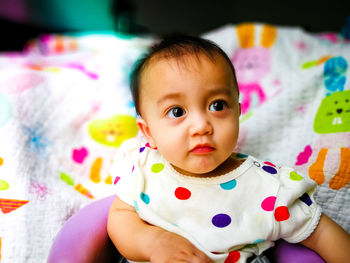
(202, 149)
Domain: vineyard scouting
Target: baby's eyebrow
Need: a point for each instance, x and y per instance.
(215, 91)
(218, 91)
(168, 96)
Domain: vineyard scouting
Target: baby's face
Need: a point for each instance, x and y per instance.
(190, 112)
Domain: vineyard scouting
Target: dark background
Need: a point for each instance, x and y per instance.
(182, 16)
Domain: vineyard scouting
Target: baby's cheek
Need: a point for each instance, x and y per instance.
(170, 150)
(230, 138)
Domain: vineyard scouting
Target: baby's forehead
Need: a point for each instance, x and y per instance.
(190, 61)
(195, 62)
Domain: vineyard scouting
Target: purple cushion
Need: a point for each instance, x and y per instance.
(84, 239)
(284, 252)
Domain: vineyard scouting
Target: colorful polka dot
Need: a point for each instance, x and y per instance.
(133, 168)
(182, 193)
(281, 213)
(157, 167)
(241, 155)
(271, 164)
(142, 149)
(116, 180)
(145, 198)
(306, 199)
(136, 206)
(269, 203)
(1, 161)
(295, 177)
(221, 220)
(269, 169)
(229, 185)
(233, 257)
(149, 146)
(258, 241)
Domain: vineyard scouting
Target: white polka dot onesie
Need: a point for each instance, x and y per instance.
(229, 217)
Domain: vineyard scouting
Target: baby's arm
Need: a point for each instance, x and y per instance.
(139, 241)
(330, 241)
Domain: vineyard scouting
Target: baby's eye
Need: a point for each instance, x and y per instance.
(218, 105)
(176, 112)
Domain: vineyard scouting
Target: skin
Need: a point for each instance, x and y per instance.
(195, 103)
(203, 93)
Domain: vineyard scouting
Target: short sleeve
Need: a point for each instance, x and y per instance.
(123, 170)
(296, 213)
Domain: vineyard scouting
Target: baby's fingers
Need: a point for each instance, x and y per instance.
(200, 257)
(192, 255)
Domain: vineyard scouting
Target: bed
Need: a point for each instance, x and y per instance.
(65, 108)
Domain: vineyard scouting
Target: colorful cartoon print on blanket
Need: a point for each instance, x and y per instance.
(113, 131)
(89, 165)
(8, 205)
(50, 44)
(328, 161)
(252, 63)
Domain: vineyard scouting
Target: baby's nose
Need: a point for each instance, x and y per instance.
(201, 125)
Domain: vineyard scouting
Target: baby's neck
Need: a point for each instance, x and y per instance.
(227, 166)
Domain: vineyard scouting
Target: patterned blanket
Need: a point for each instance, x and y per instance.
(65, 108)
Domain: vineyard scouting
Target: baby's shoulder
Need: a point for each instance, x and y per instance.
(284, 175)
(270, 167)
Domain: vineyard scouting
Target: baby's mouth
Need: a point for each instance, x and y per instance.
(202, 149)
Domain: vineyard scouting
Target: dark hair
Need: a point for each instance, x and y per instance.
(175, 47)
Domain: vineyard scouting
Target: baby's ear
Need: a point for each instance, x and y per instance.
(143, 126)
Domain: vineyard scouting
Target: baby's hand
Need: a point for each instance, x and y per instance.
(170, 247)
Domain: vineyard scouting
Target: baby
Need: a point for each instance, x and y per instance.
(183, 194)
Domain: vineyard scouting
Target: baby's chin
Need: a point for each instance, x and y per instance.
(197, 172)
(212, 169)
